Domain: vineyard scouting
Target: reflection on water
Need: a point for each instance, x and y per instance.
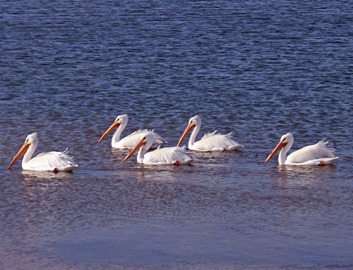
(37, 175)
(118, 155)
(290, 176)
(161, 173)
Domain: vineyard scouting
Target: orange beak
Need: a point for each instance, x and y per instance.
(278, 147)
(137, 147)
(110, 129)
(187, 130)
(20, 153)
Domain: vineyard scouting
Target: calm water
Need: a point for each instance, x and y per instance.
(258, 68)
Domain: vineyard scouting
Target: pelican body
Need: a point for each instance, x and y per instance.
(210, 141)
(131, 140)
(160, 156)
(316, 154)
(50, 161)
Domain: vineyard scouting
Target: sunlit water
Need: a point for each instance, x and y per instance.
(257, 68)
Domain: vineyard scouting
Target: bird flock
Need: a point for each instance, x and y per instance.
(151, 150)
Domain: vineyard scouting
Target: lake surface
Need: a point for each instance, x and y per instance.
(257, 68)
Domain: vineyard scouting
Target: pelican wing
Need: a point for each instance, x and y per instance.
(50, 161)
(132, 139)
(143, 131)
(312, 152)
(140, 131)
(213, 142)
(169, 155)
(210, 135)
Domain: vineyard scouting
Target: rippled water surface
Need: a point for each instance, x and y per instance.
(257, 68)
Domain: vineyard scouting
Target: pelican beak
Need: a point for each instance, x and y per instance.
(137, 147)
(278, 147)
(20, 153)
(110, 129)
(187, 130)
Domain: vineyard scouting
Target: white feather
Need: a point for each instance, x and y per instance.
(169, 155)
(132, 139)
(217, 142)
(312, 152)
(51, 161)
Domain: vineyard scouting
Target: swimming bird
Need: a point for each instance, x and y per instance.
(316, 154)
(50, 161)
(167, 155)
(131, 140)
(210, 141)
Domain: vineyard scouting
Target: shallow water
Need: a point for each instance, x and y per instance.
(259, 69)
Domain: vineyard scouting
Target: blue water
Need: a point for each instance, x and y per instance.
(257, 68)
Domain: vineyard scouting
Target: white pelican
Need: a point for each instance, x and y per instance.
(131, 140)
(168, 155)
(51, 161)
(210, 141)
(316, 154)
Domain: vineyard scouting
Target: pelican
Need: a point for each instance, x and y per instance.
(167, 155)
(210, 141)
(316, 154)
(51, 161)
(131, 140)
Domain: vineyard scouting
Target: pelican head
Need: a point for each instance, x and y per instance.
(120, 120)
(31, 140)
(145, 142)
(285, 143)
(193, 122)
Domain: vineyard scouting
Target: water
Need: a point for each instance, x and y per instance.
(257, 68)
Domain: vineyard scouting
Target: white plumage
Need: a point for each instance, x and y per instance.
(210, 141)
(168, 155)
(50, 161)
(131, 140)
(316, 154)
